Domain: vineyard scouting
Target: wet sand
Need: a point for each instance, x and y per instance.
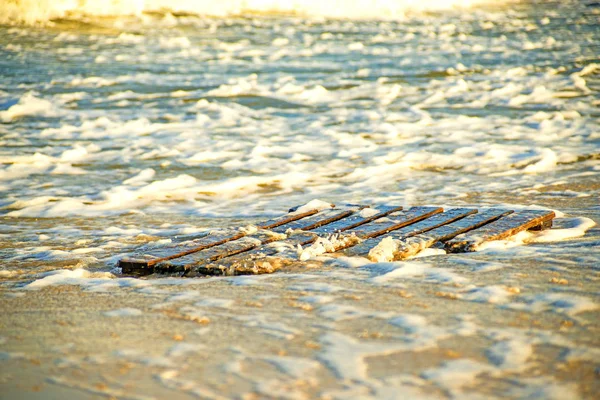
(123, 131)
(520, 322)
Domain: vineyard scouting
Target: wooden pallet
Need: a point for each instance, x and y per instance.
(349, 230)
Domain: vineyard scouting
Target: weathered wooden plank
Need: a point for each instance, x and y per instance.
(217, 252)
(265, 259)
(260, 259)
(241, 266)
(285, 219)
(351, 237)
(197, 260)
(500, 229)
(413, 245)
(435, 221)
(142, 263)
(301, 239)
(314, 221)
(395, 220)
(240, 251)
(360, 217)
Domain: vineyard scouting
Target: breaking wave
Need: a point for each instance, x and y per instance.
(40, 11)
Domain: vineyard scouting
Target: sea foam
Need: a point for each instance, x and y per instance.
(30, 11)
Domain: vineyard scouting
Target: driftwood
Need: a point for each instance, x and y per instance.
(428, 224)
(352, 229)
(146, 261)
(501, 229)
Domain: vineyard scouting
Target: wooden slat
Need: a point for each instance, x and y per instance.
(255, 259)
(361, 217)
(395, 220)
(415, 244)
(265, 259)
(309, 237)
(142, 263)
(258, 259)
(285, 219)
(236, 251)
(314, 221)
(425, 225)
(217, 252)
(504, 227)
(199, 258)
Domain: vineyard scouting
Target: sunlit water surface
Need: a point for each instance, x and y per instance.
(121, 132)
(116, 131)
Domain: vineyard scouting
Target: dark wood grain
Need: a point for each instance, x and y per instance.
(360, 217)
(199, 260)
(413, 245)
(434, 221)
(395, 220)
(285, 219)
(217, 252)
(500, 229)
(314, 221)
(142, 262)
(380, 226)
(350, 228)
(264, 258)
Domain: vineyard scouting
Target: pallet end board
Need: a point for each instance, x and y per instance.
(135, 267)
(435, 221)
(394, 221)
(547, 224)
(381, 233)
(501, 228)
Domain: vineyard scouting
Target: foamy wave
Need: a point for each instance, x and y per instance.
(34, 11)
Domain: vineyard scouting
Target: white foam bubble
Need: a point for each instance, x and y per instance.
(345, 356)
(456, 373)
(124, 312)
(341, 312)
(555, 302)
(322, 287)
(495, 294)
(571, 228)
(214, 302)
(296, 367)
(385, 273)
(510, 354)
(184, 349)
(175, 42)
(29, 105)
(384, 250)
(23, 11)
(315, 204)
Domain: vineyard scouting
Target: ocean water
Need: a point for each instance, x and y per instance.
(139, 122)
(190, 116)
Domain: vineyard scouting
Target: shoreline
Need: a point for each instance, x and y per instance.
(440, 326)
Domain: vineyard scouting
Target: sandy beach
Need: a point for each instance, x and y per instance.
(146, 123)
(520, 322)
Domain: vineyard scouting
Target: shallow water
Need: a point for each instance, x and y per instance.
(118, 132)
(175, 121)
(246, 116)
